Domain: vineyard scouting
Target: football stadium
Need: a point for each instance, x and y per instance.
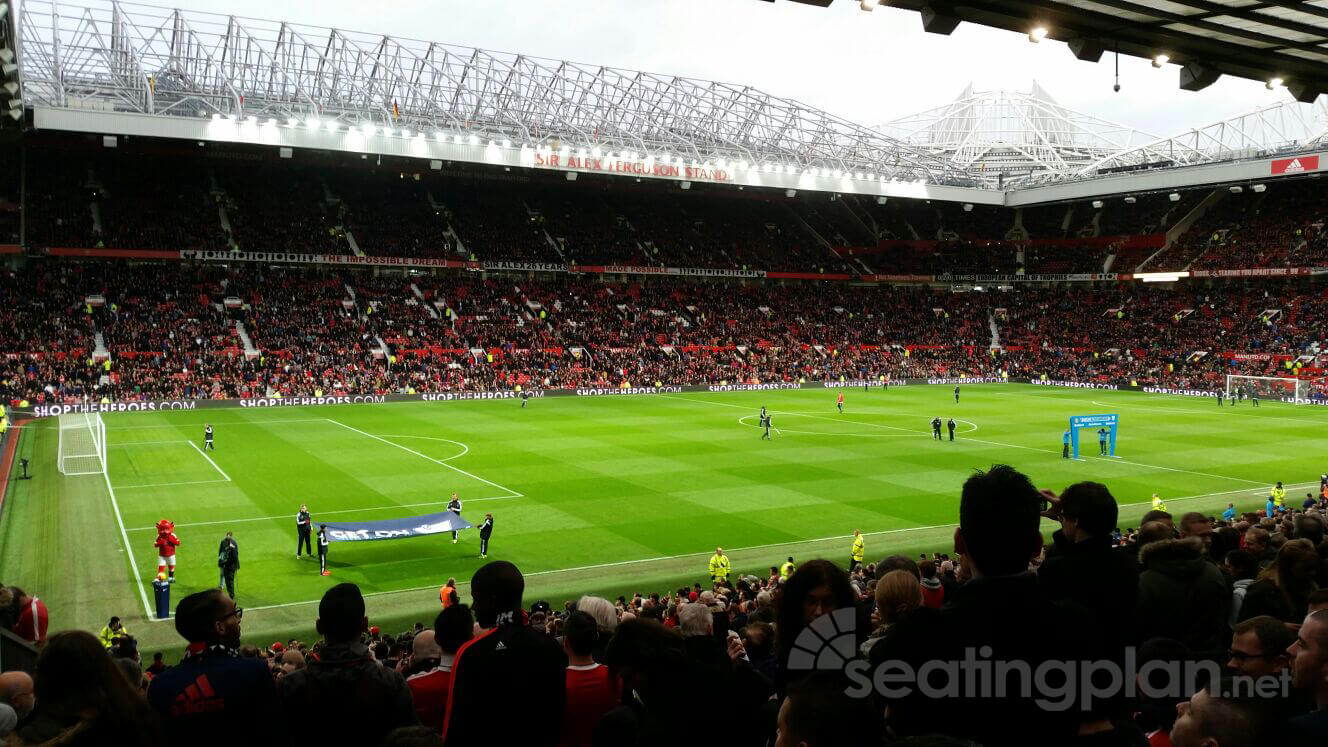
(654, 399)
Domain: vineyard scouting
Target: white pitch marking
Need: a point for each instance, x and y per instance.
(214, 464)
(159, 426)
(124, 537)
(425, 456)
(464, 448)
(324, 513)
(149, 443)
(171, 484)
(620, 563)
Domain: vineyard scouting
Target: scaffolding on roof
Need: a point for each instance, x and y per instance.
(125, 57)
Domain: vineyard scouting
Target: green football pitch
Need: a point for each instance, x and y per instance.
(592, 494)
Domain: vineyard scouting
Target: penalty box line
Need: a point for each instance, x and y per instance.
(704, 553)
(324, 513)
(514, 494)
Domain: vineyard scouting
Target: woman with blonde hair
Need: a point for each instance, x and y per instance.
(897, 593)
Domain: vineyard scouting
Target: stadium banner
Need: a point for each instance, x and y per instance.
(42, 410)
(546, 159)
(688, 271)
(10, 249)
(1257, 272)
(62, 251)
(1079, 422)
(1033, 278)
(898, 278)
(385, 529)
(1074, 384)
(1297, 165)
(295, 258)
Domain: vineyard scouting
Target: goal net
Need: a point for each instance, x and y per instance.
(82, 448)
(1267, 387)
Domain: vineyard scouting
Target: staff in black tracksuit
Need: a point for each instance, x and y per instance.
(936, 428)
(228, 561)
(454, 506)
(951, 425)
(322, 549)
(486, 529)
(304, 525)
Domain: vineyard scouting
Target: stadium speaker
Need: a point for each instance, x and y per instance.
(938, 19)
(685, 185)
(1130, 200)
(1174, 197)
(571, 176)
(1196, 77)
(1097, 204)
(1088, 50)
(1305, 93)
(1260, 188)
(882, 200)
(790, 193)
(1236, 189)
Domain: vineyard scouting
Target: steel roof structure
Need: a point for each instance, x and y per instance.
(122, 68)
(1256, 39)
(176, 63)
(1022, 136)
(1029, 139)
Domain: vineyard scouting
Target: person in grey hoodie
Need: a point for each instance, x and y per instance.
(1243, 568)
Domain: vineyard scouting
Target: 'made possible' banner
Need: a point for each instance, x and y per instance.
(413, 526)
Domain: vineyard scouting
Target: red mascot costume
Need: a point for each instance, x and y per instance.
(166, 544)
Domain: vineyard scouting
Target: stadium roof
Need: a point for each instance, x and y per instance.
(120, 68)
(1256, 39)
(1024, 136)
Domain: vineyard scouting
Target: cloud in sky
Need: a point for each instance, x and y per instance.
(866, 67)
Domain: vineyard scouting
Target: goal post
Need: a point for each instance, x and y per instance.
(1268, 387)
(82, 444)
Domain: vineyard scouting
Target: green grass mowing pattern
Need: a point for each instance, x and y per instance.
(581, 486)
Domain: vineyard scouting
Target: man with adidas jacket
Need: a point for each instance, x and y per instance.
(213, 696)
(508, 683)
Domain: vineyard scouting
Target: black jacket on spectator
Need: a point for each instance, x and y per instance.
(345, 689)
(508, 687)
(216, 697)
(1096, 576)
(1182, 596)
(1013, 617)
(1267, 598)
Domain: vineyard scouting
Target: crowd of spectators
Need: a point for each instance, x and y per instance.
(174, 331)
(1188, 630)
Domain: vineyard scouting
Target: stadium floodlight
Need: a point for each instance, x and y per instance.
(271, 122)
(1097, 204)
(1130, 200)
(507, 143)
(968, 207)
(333, 125)
(11, 88)
(1174, 197)
(8, 68)
(1161, 60)
(252, 119)
(597, 152)
(292, 122)
(367, 129)
(1160, 277)
(6, 54)
(1259, 188)
(474, 140)
(1037, 34)
(790, 193)
(868, 5)
(313, 123)
(1273, 82)
(882, 200)
(440, 136)
(16, 114)
(1236, 189)
(407, 133)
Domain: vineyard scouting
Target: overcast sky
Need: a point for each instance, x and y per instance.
(866, 67)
